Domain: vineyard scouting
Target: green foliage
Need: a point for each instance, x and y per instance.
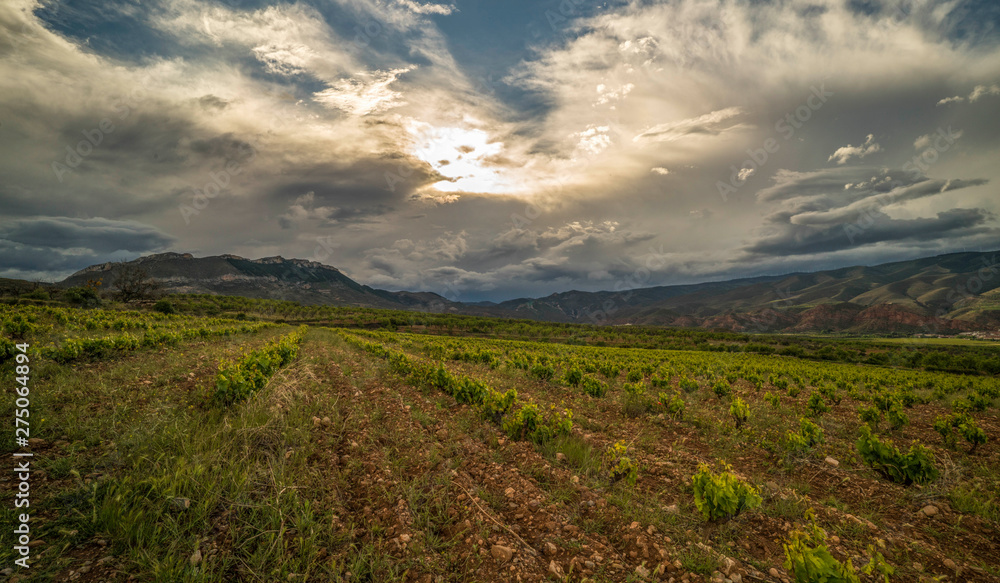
(164, 307)
(808, 435)
(722, 495)
(722, 388)
(633, 376)
(17, 326)
(82, 296)
(470, 391)
(973, 434)
(620, 465)
(36, 294)
(808, 559)
(594, 387)
(878, 564)
(915, 466)
(897, 417)
(955, 424)
(634, 401)
(542, 372)
(794, 391)
(573, 377)
(688, 385)
(773, 399)
(870, 415)
(740, 412)
(674, 404)
(240, 378)
(816, 405)
(496, 404)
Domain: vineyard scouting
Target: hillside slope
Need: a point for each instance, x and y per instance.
(307, 282)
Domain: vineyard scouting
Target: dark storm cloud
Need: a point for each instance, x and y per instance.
(58, 246)
(836, 209)
(876, 228)
(98, 234)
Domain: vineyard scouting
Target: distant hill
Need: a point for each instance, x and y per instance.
(307, 282)
(947, 294)
(958, 291)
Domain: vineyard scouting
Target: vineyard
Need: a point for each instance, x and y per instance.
(228, 439)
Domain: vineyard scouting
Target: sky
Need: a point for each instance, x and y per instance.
(493, 149)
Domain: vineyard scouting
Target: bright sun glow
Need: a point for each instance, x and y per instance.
(461, 155)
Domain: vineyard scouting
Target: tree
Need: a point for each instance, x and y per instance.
(134, 284)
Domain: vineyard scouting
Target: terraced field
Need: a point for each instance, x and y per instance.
(272, 453)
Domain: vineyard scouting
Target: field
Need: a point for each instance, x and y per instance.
(230, 442)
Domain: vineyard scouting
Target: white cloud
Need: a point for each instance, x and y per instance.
(978, 92)
(845, 153)
(419, 8)
(660, 170)
(982, 90)
(710, 124)
(365, 94)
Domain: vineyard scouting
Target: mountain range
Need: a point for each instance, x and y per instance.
(945, 293)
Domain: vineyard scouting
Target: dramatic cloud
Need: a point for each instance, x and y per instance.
(845, 153)
(493, 151)
(59, 244)
(819, 213)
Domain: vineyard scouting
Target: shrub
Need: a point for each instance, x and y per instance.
(913, 467)
(17, 326)
(36, 294)
(870, 415)
(972, 433)
(542, 372)
(773, 399)
(794, 391)
(633, 375)
(979, 402)
(721, 388)
(635, 402)
(164, 307)
(816, 405)
(496, 405)
(470, 391)
(528, 423)
(808, 435)
(620, 465)
(722, 495)
(594, 387)
(688, 385)
(673, 404)
(897, 418)
(955, 424)
(573, 377)
(740, 412)
(809, 560)
(81, 296)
